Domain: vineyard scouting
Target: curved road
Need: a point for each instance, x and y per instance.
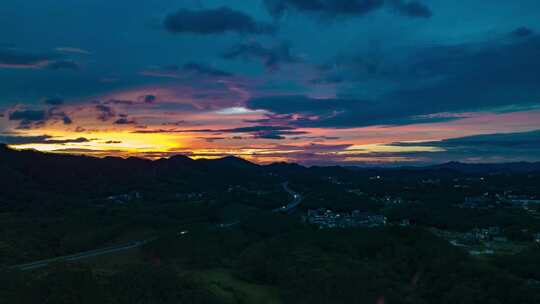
(291, 207)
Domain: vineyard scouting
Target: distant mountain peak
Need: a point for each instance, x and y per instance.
(4, 147)
(285, 165)
(236, 159)
(488, 167)
(180, 157)
(178, 160)
(233, 158)
(455, 162)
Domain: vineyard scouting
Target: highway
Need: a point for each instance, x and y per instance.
(228, 225)
(80, 256)
(287, 209)
(291, 207)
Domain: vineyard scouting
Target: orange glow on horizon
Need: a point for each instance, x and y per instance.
(211, 138)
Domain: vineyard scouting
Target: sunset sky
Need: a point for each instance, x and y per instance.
(319, 82)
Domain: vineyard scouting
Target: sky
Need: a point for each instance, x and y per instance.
(318, 82)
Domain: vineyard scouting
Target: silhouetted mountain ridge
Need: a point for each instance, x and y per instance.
(36, 157)
(34, 177)
(488, 167)
(229, 161)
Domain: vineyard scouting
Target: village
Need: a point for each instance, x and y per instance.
(325, 218)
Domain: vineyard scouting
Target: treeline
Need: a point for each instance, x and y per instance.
(395, 265)
(27, 237)
(525, 264)
(517, 223)
(68, 284)
(347, 266)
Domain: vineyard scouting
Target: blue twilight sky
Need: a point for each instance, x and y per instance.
(313, 81)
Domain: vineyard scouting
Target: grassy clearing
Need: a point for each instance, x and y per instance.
(236, 291)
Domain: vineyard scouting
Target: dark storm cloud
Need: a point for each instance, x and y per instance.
(523, 140)
(15, 58)
(327, 7)
(124, 120)
(485, 148)
(189, 69)
(28, 115)
(40, 139)
(150, 99)
(333, 112)
(522, 32)
(266, 132)
(64, 117)
(26, 124)
(312, 112)
(257, 132)
(105, 113)
(214, 21)
(256, 129)
(272, 57)
(29, 119)
(276, 135)
(204, 70)
(334, 8)
(490, 147)
(475, 77)
(454, 78)
(412, 9)
(54, 101)
(21, 59)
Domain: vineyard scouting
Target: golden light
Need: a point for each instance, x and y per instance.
(118, 143)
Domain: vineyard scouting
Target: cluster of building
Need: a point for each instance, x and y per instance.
(475, 236)
(326, 218)
(242, 189)
(125, 198)
(479, 202)
(484, 234)
(390, 201)
(431, 181)
(334, 180)
(189, 196)
(487, 201)
(520, 200)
